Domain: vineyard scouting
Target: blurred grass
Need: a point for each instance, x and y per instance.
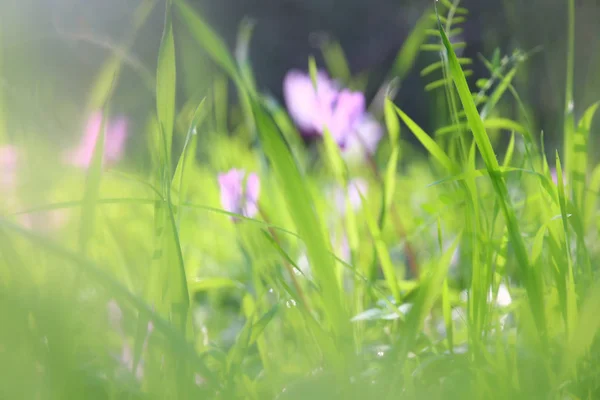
(270, 308)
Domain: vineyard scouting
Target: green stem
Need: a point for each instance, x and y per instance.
(569, 120)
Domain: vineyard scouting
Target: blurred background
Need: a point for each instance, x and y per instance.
(54, 54)
(53, 49)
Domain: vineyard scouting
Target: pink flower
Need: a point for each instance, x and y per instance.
(8, 167)
(341, 111)
(114, 141)
(367, 134)
(356, 188)
(237, 198)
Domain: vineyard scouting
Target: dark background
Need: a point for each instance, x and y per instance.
(52, 49)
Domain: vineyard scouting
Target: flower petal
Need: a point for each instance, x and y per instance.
(81, 156)
(231, 190)
(114, 144)
(252, 193)
(310, 109)
(8, 167)
(346, 112)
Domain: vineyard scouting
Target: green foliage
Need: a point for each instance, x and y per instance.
(465, 275)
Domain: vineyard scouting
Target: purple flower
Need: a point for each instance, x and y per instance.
(8, 167)
(114, 141)
(239, 195)
(367, 134)
(342, 111)
(356, 187)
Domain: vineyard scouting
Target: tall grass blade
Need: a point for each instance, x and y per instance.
(302, 210)
(166, 84)
(532, 280)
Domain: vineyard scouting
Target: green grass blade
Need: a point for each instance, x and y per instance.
(187, 155)
(510, 150)
(494, 98)
(336, 60)
(167, 283)
(393, 129)
(242, 53)
(166, 84)
(207, 38)
(569, 117)
(532, 280)
(301, 208)
(430, 290)
(382, 253)
(571, 305)
(490, 123)
(580, 154)
(217, 50)
(432, 147)
(176, 341)
(593, 189)
(585, 333)
(334, 158)
(92, 190)
(216, 283)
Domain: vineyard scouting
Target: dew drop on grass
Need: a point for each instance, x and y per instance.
(290, 303)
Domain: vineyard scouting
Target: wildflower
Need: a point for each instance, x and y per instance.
(356, 188)
(114, 141)
(236, 198)
(341, 111)
(365, 138)
(8, 167)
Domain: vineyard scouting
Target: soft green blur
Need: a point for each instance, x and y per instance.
(136, 261)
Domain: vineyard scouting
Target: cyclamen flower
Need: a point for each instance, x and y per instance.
(114, 141)
(239, 195)
(356, 188)
(342, 111)
(8, 167)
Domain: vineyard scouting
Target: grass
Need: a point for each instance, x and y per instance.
(211, 308)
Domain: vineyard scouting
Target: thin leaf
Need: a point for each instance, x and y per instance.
(533, 284)
(166, 84)
(432, 147)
